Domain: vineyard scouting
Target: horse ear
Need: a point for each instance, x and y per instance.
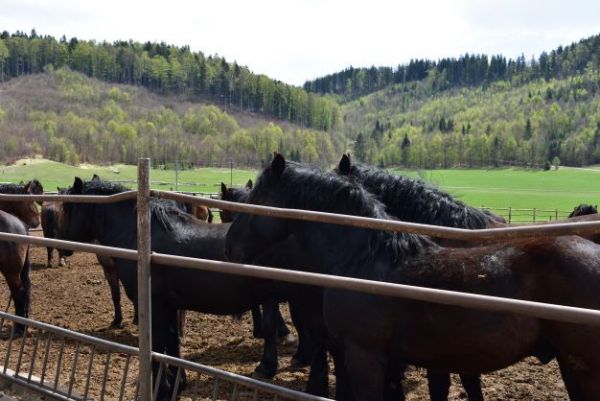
(345, 164)
(249, 184)
(278, 164)
(223, 188)
(95, 178)
(77, 186)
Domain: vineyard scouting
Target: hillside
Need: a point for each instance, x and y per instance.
(503, 123)
(67, 117)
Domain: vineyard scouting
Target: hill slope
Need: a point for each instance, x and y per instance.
(503, 123)
(68, 117)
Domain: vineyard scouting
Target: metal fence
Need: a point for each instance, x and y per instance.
(523, 215)
(144, 257)
(65, 365)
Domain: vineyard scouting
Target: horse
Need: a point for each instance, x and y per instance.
(440, 337)
(15, 218)
(173, 288)
(27, 211)
(583, 210)
(413, 200)
(232, 194)
(51, 216)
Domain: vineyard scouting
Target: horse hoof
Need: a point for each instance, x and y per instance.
(62, 262)
(289, 339)
(116, 325)
(263, 373)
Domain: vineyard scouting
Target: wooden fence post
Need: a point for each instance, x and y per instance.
(509, 214)
(143, 277)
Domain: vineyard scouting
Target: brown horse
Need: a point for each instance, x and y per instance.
(15, 218)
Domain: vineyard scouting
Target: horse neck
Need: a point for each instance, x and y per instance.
(115, 223)
(24, 211)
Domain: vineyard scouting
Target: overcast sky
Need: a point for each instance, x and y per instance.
(298, 40)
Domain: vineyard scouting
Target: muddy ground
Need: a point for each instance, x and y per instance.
(77, 297)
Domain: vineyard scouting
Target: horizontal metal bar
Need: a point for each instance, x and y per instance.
(535, 309)
(539, 310)
(235, 378)
(122, 253)
(108, 345)
(488, 234)
(71, 198)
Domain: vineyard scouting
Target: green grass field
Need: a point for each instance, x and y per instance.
(495, 188)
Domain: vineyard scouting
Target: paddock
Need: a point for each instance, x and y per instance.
(524, 380)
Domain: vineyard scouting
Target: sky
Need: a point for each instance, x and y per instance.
(295, 41)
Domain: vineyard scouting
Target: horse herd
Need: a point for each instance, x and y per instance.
(370, 338)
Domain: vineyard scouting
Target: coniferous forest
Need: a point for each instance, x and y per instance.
(81, 101)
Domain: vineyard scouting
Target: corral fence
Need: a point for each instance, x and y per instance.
(523, 215)
(63, 384)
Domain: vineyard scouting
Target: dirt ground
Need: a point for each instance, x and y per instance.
(77, 297)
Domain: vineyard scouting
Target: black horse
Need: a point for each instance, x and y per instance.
(583, 210)
(233, 194)
(376, 335)
(173, 232)
(413, 200)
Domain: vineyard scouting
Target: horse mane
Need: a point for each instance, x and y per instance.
(413, 200)
(315, 189)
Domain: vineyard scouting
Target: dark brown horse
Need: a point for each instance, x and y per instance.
(15, 218)
(378, 334)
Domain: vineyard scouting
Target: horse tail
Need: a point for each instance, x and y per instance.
(210, 215)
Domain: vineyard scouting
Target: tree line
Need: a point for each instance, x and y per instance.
(168, 69)
(468, 69)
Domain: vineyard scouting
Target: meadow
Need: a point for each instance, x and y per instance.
(560, 189)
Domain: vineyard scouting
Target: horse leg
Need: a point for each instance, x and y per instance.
(472, 385)
(283, 332)
(112, 276)
(366, 371)
(160, 338)
(257, 323)
(439, 384)
(318, 383)
(173, 344)
(268, 364)
(62, 262)
(581, 377)
(302, 356)
(181, 321)
(49, 251)
(343, 392)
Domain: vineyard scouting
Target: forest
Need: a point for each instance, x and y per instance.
(168, 70)
(466, 70)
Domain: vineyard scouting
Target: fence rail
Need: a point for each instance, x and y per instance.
(535, 309)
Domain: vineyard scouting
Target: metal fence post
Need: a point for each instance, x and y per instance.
(509, 214)
(143, 276)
